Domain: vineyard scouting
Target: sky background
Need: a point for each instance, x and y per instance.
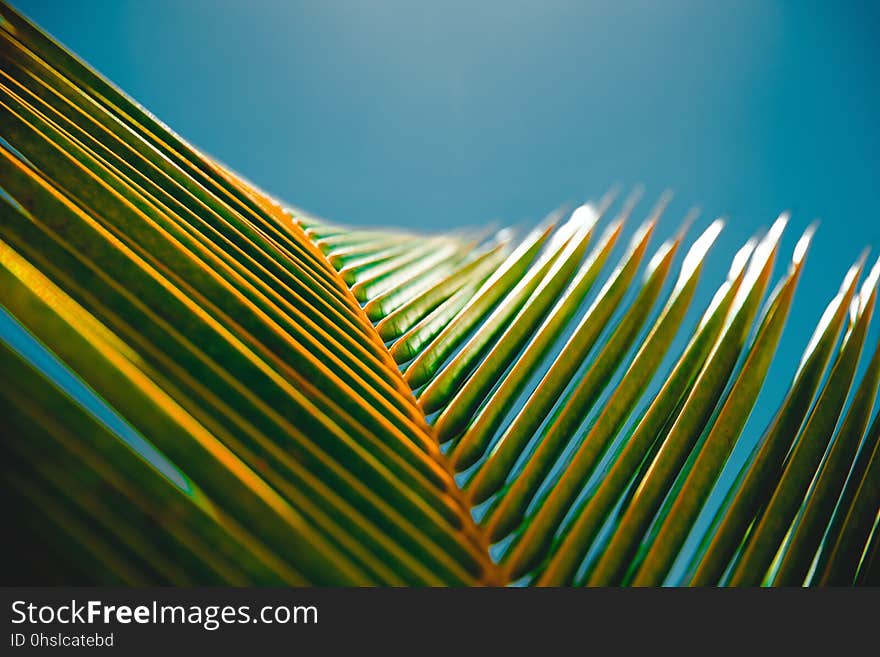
(452, 114)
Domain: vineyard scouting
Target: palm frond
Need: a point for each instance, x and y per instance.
(202, 386)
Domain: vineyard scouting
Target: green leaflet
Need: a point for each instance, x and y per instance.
(848, 547)
(484, 299)
(725, 430)
(803, 461)
(185, 438)
(475, 440)
(312, 415)
(403, 318)
(517, 333)
(444, 384)
(692, 418)
(492, 473)
(767, 463)
(535, 541)
(511, 509)
(592, 514)
(819, 507)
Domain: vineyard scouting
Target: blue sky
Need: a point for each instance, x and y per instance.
(437, 115)
(448, 114)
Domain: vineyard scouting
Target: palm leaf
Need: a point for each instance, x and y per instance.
(202, 386)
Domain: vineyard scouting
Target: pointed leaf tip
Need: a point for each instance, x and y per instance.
(868, 286)
(698, 250)
(803, 244)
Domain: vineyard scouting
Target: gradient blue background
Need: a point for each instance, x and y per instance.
(453, 114)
